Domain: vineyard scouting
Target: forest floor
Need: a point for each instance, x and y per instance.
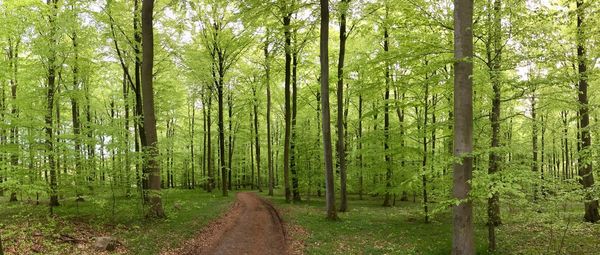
(28, 228)
(545, 227)
(204, 223)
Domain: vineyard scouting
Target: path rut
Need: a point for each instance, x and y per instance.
(251, 227)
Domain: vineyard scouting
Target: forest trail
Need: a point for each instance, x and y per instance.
(251, 227)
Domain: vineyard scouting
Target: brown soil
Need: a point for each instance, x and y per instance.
(251, 227)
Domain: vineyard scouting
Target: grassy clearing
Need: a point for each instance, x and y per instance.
(27, 228)
(369, 228)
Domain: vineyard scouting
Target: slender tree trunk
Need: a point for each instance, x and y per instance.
(534, 145)
(251, 153)
(230, 138)
(269, 138)
(13, 58)
(192, 132)
(139, 112)
(293, 150)
(151, 150)
(286, 143)
(341, 150)
(565, 154)
(386, 123)
(424, 163)
(463, 242)
(50, 105)
(494, 63)
(257, 140)
(585, 162)
(543, 159)
(211, 173)
(326, 115)
(360, 147)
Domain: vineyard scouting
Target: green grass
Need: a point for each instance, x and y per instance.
(187, 212)
(369, 228)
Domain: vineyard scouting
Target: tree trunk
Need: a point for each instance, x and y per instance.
(360, 145)
(230, 138)
(211, 173)
(151, 150)
(50, 105)
(286, 142)
(386, 122)
(494, 64)
(293, 152)
(424, 163)
(534, 145)
(13, 55)
(326, 115)
(192, 158)
(341, 150)
(463, 237)
(585, 161)
(257, 140)
(269, 138)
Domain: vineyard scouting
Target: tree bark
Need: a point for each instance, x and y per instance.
(341, 150)
(494, 64)
(257, 140)
(151, 150)
(286, 143)
(585, 162)
(293, 150)
(50, 104)
(463, 237)
(269, 138)
(386, 122)
(13, 58)
(326, 115)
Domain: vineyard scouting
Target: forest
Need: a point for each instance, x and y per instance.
(299, 126)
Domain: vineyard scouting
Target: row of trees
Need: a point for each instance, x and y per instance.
(82, 81)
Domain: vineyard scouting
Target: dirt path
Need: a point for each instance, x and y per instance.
(251, 227)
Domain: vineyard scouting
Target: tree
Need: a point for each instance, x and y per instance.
(494, 64)
(585, 167)
(463, 237)
(151, 150)
(288, 129)
(326, 114)
(51, 89)
(269, 138)
(341, 150)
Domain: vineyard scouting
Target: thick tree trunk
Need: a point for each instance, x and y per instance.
(585, 161)
(151, 150)
(341, 150)
(463, 242)
(326, 115)
(139, 112)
